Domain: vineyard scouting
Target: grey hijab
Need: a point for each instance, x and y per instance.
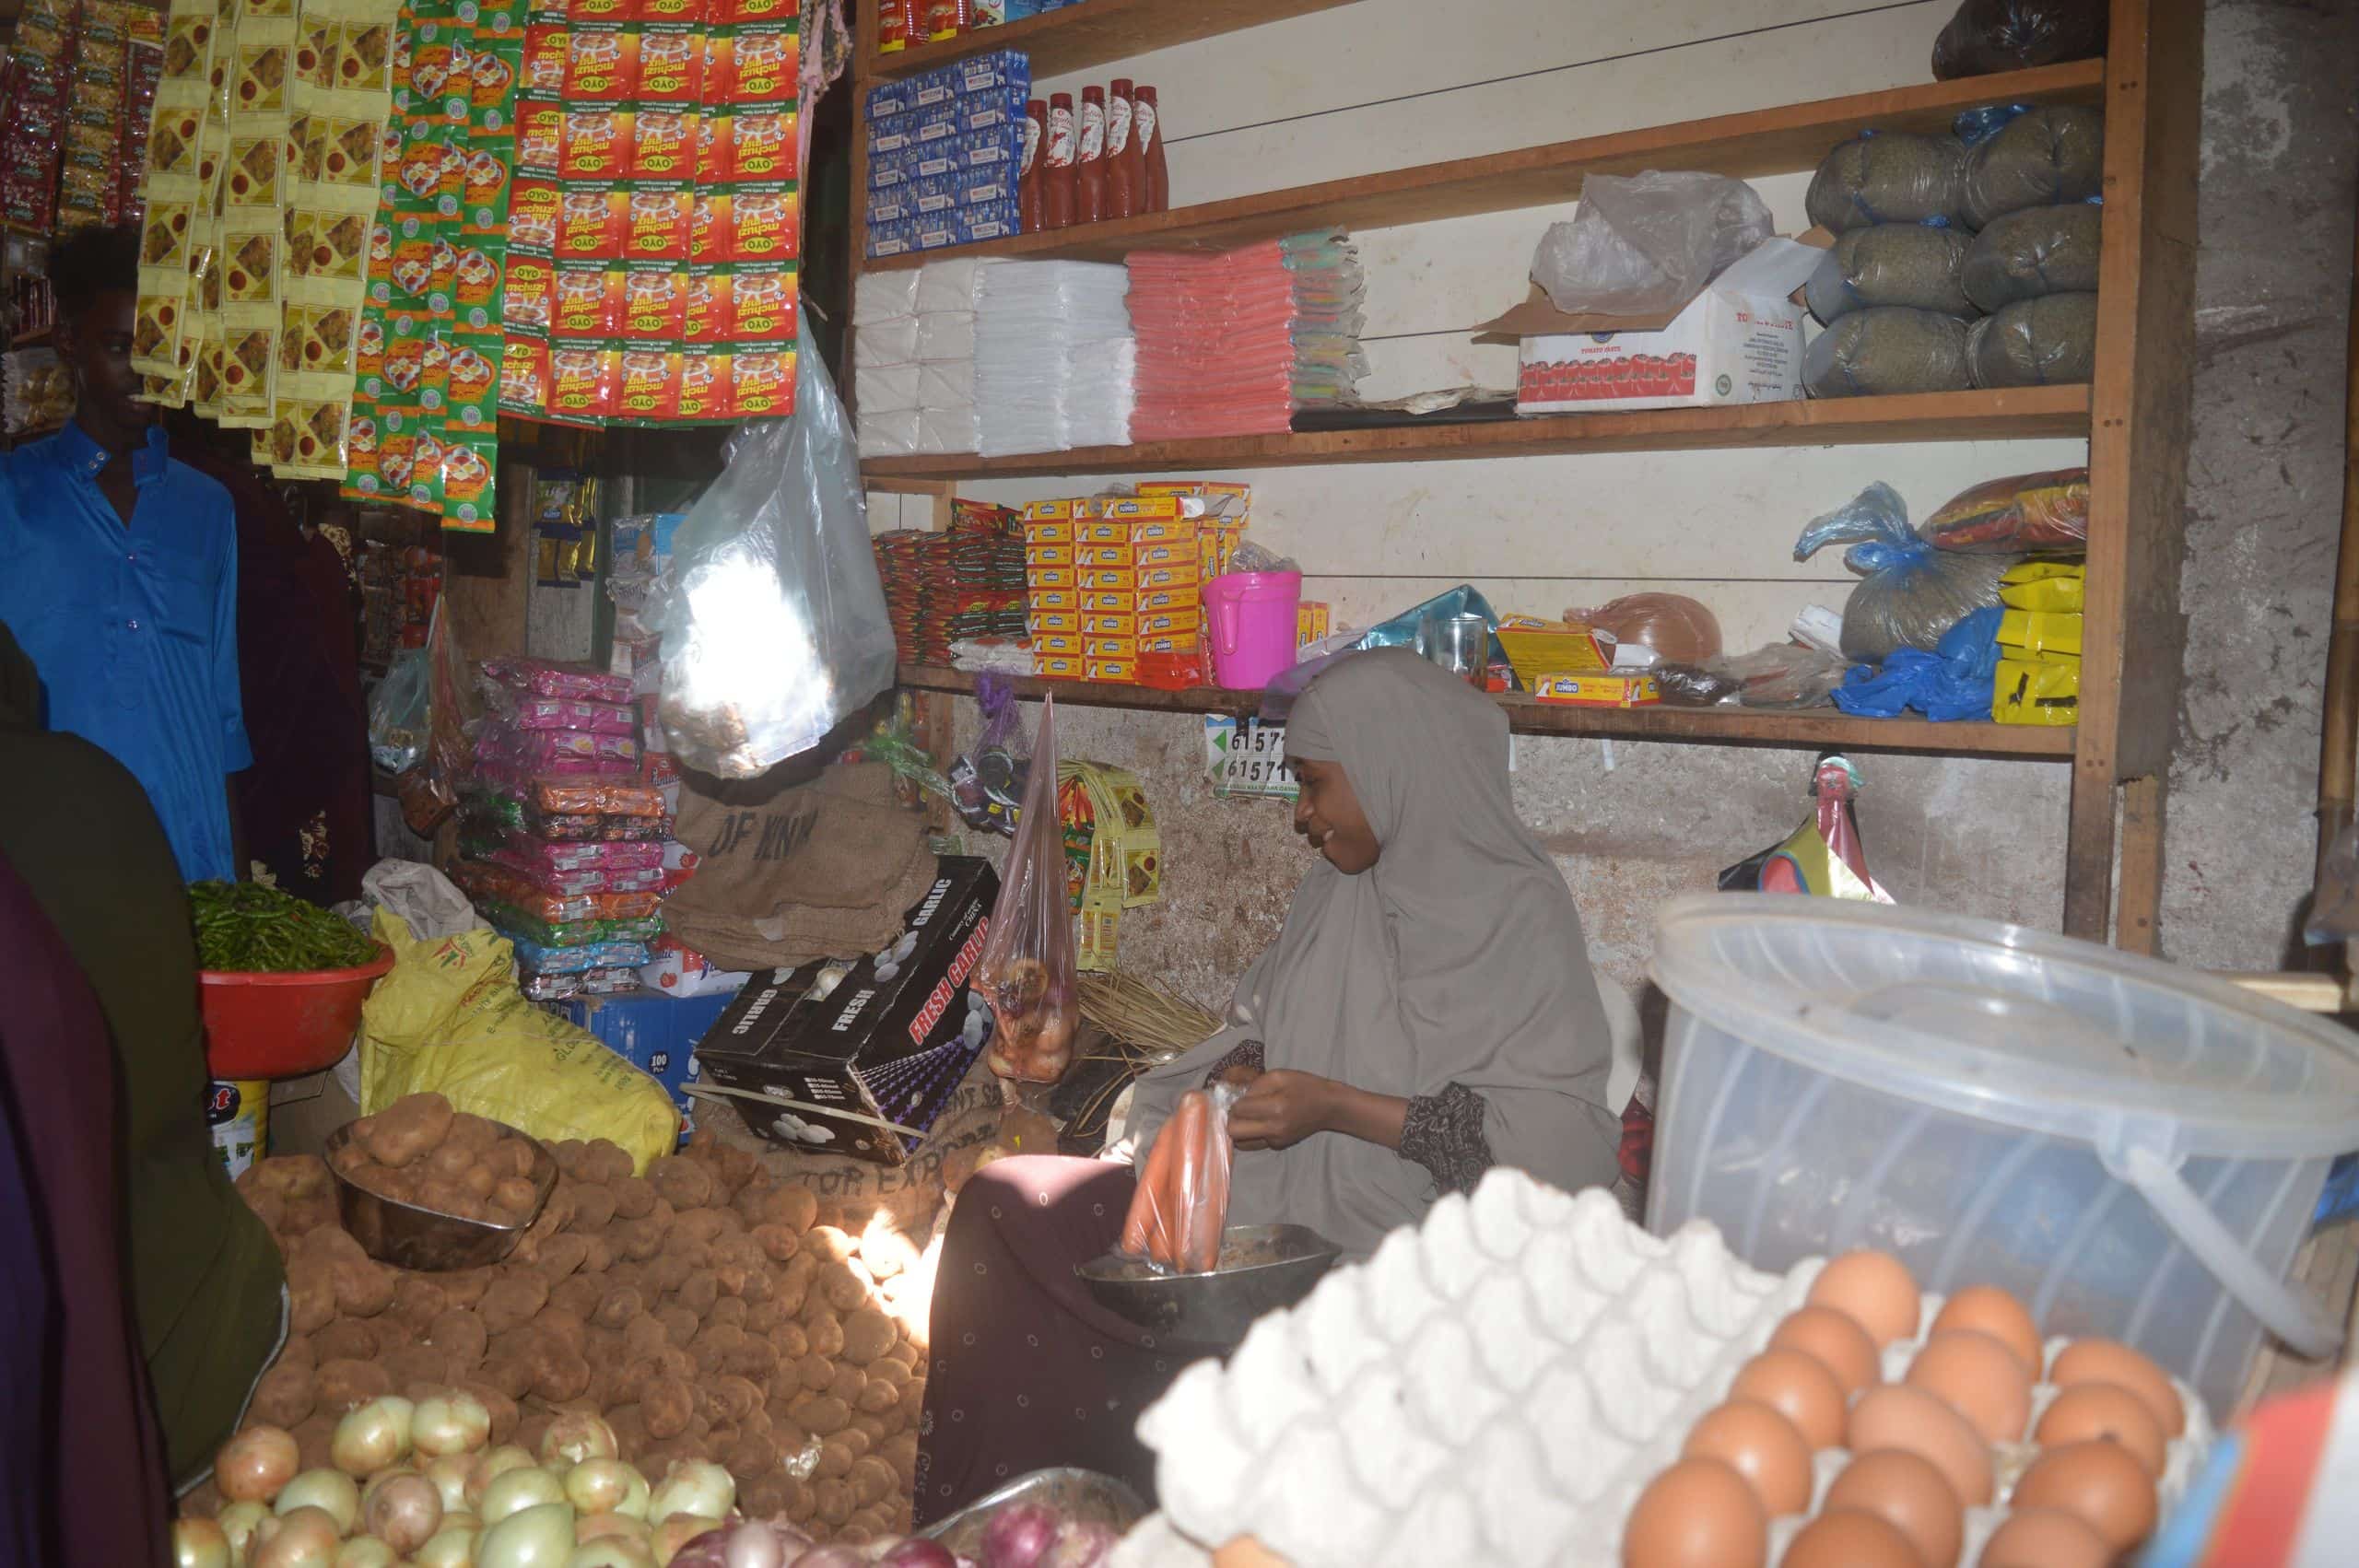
(1458, 958)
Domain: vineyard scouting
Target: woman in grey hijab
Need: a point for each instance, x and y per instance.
(1426, 1011)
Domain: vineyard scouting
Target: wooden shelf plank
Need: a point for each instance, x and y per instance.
(2011, 414)
(1092, 33)
(1785, 140)
(1818, 727)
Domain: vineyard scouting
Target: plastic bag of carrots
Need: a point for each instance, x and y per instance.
(1182, 1206)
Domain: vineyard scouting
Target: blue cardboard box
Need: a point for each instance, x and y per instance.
(656, 1032)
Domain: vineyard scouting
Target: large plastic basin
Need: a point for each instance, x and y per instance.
(265, 1026)
(2133, 1149)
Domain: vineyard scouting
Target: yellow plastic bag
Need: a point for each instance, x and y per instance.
(449, 1018)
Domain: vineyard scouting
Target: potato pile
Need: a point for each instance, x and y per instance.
(419, 1150)
(697, 1309)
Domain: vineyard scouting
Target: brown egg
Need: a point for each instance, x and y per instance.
(1907, 1491)
(1698, 1514)
(1876, 1289)
(1760, 1444)
(2099, 1482)
(2087, 1410)
(1998, 1313)
(1979, 1378)
(2109, 1361)
(1837, 1341)
(1896, 1416)
(1850, 1538)
(1799, 1387)
(2045, 1538)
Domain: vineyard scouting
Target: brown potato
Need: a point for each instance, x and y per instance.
(362, 1289)
(344, 1383)
(560, 1325)
(761, 1493)
(633, 1197)
(885, 1370)
(713, 1346)
(466, 1287)
(629, 1427)
(558, 1373)
(873, 1480)
(814, 1372)
(285, 1396)
(310, 1290)
(900, 1451)
(471, 1131)
(868, 1334)
(834, 1500)
(567, 1153)
(619, 1306)
(644, 1335)
(513, 1299)
(579, 1295)
(683, 1183)
(830, 1245)
(637, 1240)
(793, 1280)
(313, 1439)
(269, 1207)
(794, 1207)
(459, 1335)
(802, 1503)
(348, 1339)
(730, 1310)
(597, 1257)
(826, 1331)
(834, 1460)
(823, 1414)
(877, 1398)
(418, 1300)
(510, 1371)
(531, 1429)
(289, 1175)
(792, 1341)
(607, 1161)
(512, 1199)
(406, 1130)
(594, 1205)
(680, 1325)
(736, 1168)
(666, 1406)
(846, 1383)
(692, 1224)
(777, 1242)
(419, 1364)
(697, 1291)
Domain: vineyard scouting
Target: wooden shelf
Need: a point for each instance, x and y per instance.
(2010, 414)
(1093, 33)
(1787, 140)
(1818, 727)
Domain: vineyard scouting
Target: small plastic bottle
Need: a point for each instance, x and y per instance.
(1146, 131)
(1058, 175)
(1029, 173)
(1089, 159)
(1125, 173)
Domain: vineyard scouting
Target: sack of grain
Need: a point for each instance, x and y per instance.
(1889, 177)
(2041, 158)
(2036, 251)
(1891, 264)
(1884, 350)
(2049, 341)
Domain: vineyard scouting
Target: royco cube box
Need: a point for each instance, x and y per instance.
(857, 1056)
(1739, 341)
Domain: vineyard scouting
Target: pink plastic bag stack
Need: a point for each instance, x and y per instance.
(1215, 347)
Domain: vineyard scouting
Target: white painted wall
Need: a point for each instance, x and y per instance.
(1386, 83)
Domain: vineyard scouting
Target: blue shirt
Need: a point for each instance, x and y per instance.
(133, 627)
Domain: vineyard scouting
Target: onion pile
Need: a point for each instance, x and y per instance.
(693, 1322)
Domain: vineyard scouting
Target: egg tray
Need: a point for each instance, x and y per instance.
(1497, 1384)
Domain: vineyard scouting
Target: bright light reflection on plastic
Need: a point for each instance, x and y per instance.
(751, 650)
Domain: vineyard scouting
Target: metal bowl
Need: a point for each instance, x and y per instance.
(408, 1237)
(1078, 1494)
(1263, 1269)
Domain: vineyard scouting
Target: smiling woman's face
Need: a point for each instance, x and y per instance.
(1327, 814)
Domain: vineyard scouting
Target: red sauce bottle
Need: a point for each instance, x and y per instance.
(1147, 132)
(1089, 159)
(1028, 174)
(1058, 175)
(1125, 171)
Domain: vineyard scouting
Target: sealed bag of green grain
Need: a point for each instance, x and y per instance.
(1885, 350)
(2051, 341)
(2035, 251)
(1891, 264)
(2039, 157)
(1889, 177)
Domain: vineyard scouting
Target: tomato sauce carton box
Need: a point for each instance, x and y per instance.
(1739, 341)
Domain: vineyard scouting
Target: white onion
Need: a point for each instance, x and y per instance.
(334, 1492)
(403, 1512)
(449, 1474)
(199, 1543)
(606, 1486)
(490, 1465)
(373, 1436)
(238, 1522)
(300, 1538)
(677, 1532)
(588, 1527)
(452, 1547)
(254, 1464)
(577, 1435)
(610, 1552)
(540, 1536)
(366, 1551)
(524, 1487)
(450, 1423)
(693, 1486)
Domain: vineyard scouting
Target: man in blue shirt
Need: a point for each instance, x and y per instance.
(122, 576)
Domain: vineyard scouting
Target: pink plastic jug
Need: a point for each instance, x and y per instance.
(1250, 626)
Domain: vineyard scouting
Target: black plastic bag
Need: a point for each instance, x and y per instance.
(1988, 36)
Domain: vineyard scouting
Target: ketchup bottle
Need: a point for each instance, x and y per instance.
(1146, 134)
(1089, 162)
(1125, 173)
(1058, 175)
(1029, 172)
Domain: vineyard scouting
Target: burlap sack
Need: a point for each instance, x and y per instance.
(823, 868)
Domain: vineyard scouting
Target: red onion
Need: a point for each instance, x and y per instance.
(920, 1554)
(1081, 1543)
(1019, 1536)
(252, 1466)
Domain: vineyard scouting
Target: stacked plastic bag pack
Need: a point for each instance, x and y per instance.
(914, 356)
(562, 841)
(1055, 363)
(1961, 261)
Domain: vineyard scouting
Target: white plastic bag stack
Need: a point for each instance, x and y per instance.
(884, 361)
(1055, 364)
(946, 306)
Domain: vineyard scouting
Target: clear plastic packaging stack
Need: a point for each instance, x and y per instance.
(1055, 363)
(914, 350)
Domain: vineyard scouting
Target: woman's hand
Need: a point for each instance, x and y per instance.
(1280, 1109)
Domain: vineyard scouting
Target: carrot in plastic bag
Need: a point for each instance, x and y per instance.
(1182, 1206)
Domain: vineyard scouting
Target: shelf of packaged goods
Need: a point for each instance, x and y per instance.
(1092, 33)
(2012, 413)
(1818, 727)
(1791, 139)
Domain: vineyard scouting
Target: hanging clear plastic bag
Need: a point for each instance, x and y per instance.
(775, 627)
(1912, 592)
(398, 714)
(1649, 242)
(1181, 1205)
(1026, 970)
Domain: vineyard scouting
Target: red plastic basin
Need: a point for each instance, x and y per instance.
(260, 1026)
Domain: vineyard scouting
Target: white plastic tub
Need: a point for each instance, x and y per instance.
(2133, 1149)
